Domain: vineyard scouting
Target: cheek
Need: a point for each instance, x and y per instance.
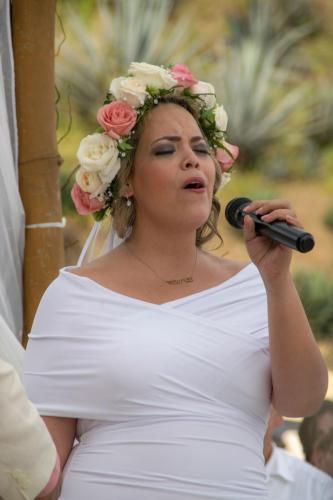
(152, 185)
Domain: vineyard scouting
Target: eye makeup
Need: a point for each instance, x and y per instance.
(162, 149)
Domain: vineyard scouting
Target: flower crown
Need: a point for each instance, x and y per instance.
(128, 100)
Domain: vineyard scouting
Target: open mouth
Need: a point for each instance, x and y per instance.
(194, 184)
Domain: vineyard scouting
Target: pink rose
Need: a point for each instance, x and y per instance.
(83, 203)
(117, 118)
(182, 74)
(224, 158)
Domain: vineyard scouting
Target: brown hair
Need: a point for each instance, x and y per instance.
(308, 430)
(124, 216)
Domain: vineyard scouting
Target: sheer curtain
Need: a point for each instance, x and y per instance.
(11, 208)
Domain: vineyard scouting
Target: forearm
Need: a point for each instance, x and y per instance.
(63, 431)
(54, 495)
(52, 490)
(299, 375)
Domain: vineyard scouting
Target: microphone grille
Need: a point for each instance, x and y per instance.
(232, 211)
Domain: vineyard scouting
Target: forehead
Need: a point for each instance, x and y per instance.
(169, 119)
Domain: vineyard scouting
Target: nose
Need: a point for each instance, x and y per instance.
(190, 160)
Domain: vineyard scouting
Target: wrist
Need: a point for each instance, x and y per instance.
(278, 284)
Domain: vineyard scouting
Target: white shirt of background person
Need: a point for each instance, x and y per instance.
(288, 477)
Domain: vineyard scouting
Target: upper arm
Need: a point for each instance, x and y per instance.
(62, 430)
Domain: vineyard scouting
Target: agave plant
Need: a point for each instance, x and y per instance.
(320, 125)
(261, 88)
(131, 31)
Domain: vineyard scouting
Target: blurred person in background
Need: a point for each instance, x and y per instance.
(29, 465)
(316, 435)
(323, 453)
(290, 478)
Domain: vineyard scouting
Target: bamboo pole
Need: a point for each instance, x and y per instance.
(33, 31)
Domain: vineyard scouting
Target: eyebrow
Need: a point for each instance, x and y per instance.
(177, 138)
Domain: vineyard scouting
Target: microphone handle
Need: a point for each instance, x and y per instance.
(281, 232)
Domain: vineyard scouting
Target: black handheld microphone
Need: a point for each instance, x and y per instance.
(279, 231)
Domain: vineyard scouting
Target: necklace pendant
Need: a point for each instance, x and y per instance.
(180, 281)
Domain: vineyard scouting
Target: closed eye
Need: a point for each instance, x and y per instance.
(204, 151)
(200, 149)
(159, 152)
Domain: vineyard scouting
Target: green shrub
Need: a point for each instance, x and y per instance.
(316, 292)
(66, 182)
(328, 219)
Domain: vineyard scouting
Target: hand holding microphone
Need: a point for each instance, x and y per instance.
(277, 230)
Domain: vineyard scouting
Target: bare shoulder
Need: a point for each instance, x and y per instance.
(216, 269)
(233, 265)
(229, 266)
(98, 267)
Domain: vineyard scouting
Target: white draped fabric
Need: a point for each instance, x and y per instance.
(11, 208)
(172, 399)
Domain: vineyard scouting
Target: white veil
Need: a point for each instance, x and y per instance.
(12, 218)
(101, 239)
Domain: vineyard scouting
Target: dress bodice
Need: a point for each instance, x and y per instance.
(171, 398)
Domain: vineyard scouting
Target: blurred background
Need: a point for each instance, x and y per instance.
(271, 64)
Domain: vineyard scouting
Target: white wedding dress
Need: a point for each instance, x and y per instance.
(172, 400)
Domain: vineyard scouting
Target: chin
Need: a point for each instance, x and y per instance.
(195, 219)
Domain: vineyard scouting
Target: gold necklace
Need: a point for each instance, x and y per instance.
(180, 281)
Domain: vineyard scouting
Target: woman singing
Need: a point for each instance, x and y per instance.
(160, 358)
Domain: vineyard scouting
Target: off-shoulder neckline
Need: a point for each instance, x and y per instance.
(66, 271)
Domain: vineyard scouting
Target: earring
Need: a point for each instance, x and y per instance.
(128, 202)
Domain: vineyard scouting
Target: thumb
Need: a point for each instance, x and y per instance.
(249, 228)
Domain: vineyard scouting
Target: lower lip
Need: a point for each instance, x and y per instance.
(196, 190)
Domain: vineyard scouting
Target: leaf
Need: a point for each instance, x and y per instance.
(124, 146)
(109, 98)
(153, 91)
(98, 216)
(208, 114)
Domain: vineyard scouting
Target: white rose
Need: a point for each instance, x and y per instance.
(131, 90)
(152, 76)
(115, 86)
(88, 181)
(98, 153)
(221, 118)
(205, 88)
